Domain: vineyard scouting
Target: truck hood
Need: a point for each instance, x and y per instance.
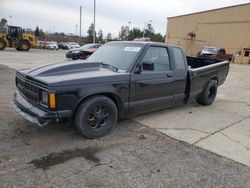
(74, 73)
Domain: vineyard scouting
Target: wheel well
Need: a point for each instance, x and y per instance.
(214, 78)
(25, 41)
(112, 96)
(2, 39)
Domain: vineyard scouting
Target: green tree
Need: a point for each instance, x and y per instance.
(158, 38)
(124, 33)
(109, 37)
(37, 31)
(41, 34)
(149, 31)
(90, 33)
(135, 33)
(100, 36)
(3, 24)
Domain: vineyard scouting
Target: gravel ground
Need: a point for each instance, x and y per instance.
(130, 156)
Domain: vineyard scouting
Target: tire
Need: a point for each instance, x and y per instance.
(208, 95)
(96, 116)
(74, 58)
(3, 44)
(24, 45)
(84, 57)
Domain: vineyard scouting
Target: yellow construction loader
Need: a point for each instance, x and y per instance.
(15, 37)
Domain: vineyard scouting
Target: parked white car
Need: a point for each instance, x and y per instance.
(72, 45)
(52, 45)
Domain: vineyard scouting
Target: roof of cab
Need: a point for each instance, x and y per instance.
(145, 43)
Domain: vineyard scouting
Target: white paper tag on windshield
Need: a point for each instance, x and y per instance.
(132, 49)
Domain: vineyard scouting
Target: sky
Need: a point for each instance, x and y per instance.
(63, 15)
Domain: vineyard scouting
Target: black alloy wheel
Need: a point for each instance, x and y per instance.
(96, 116)
(208, 95)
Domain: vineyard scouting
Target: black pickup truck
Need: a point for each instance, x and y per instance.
(120, 79)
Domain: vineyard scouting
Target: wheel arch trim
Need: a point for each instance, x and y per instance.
(110, 94)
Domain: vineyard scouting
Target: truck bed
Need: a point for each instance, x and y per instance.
(196, 62)
(201, 70)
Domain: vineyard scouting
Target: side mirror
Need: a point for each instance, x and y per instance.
(138, 69)
(148, 66)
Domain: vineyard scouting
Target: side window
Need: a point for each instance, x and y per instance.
(222, 52)
(247, 53)
(179, 59)
(156, 59)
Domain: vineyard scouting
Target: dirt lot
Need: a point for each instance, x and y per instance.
(131, 156)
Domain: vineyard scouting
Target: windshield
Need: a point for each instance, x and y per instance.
(120, 55)
(72, 43)
(210, 50)
(52, 43)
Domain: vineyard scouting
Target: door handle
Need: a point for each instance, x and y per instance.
(170, 74)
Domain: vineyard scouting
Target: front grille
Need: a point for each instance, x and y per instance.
(29, 91)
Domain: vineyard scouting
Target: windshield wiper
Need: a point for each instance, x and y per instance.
(110, 66)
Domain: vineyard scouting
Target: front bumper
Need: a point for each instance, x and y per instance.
(36, 115)
(68, 55)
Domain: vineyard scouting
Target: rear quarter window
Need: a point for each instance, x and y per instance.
(179, 59)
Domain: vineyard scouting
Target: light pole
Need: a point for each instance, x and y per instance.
(94, 21)
(80, 33)
(149, 21)
(76, 30)
(10, 20)
(129, 22)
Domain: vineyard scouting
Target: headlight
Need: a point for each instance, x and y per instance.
(45, 98)
(49, 99)
(75, 52)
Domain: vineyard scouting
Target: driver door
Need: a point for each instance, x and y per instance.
(151, 87)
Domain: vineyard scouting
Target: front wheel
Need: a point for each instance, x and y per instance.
(96, 116)
(208, 95)
(24, 45)
(75, 58)
(3, 44)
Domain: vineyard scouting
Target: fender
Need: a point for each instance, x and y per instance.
(116, 92)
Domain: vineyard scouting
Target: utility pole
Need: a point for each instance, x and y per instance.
(94, 21)
(129, 22)
(80, 34)
(10, 20)
(76, 30)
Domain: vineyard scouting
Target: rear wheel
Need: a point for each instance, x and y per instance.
(96, 116)
(208, 95)
(75, 58)
(24, 45)
(3, 44)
